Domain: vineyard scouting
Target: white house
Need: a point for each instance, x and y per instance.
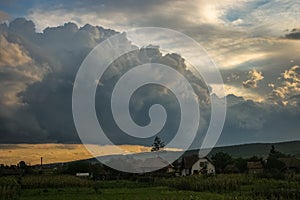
(195, 165)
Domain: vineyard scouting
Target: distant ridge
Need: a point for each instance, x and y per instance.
(260, 149)
(241, 150)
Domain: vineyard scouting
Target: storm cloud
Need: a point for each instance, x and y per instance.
(38, 72)
(294, 34)
(55, 56)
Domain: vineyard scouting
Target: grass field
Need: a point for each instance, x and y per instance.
(147, 193)
(226, 187)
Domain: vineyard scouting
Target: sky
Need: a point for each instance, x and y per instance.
(56, 153)
(254, 43)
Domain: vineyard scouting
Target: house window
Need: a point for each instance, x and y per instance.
(203, 164)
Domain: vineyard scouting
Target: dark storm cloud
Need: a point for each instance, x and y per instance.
(37, 80)
(259, 122)
(148, 95)
(294, 34)
(47, 101)
(37, 73)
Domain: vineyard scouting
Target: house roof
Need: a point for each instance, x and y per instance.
(156, 162)
(254, 165)
(189, 161)
(290, 162)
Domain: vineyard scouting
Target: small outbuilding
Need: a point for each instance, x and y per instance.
(255, 167)
(291, 164)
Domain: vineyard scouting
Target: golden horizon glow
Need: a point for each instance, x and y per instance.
(11, 154)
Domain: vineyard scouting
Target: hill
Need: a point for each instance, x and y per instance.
(243, 150)
(260, 149)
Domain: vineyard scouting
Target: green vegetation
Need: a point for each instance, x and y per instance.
(118, 193)
(276, 178)
(9, 188)
(53, 181)
(225, 186)
(221, 160)
(238, 186)
(157, 144)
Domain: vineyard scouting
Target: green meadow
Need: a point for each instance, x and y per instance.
(65, 187)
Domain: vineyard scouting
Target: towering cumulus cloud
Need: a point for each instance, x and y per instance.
(48, 63)
(37, 72)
